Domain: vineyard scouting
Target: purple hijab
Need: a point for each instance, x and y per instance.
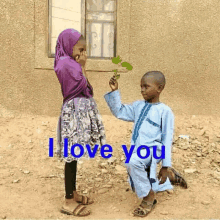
(69, 72)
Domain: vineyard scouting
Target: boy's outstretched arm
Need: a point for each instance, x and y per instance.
(113, 99)
(167, 139)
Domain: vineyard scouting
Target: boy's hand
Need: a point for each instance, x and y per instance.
(81, 59)
(113, 83)
(163, 174)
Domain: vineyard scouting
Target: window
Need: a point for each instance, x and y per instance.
(95, 19)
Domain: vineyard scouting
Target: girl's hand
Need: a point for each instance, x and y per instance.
(113, 83)
(82, 58)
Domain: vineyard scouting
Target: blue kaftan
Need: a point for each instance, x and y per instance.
(153, 126)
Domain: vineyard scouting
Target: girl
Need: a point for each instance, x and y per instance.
(80, 120)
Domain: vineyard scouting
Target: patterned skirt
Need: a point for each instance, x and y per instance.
(81, 123)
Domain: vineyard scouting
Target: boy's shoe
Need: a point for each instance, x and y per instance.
(176, 178)
(145, 208)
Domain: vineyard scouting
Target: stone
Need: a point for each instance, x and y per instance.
(16, 181)
(111, 160)
(202, 132)
(170, 191)
(120, 169)
(190, 170)
(107, 186)
(196, 142)
(103, 190)
(98, 179)
(85, 191)
(185, 146)
(103, 165)
(104, 171)
(213, 145)
(184, 137)
(26, 171)
(216, 175)
(198, 154)
(164, 213)
(205, 202)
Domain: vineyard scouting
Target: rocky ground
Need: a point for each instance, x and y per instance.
(32, 184)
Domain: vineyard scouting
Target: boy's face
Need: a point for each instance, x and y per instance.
(79, 47)
(150, 90)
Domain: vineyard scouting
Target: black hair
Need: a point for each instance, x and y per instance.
(158, 76)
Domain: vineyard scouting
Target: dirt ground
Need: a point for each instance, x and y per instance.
(32, 184)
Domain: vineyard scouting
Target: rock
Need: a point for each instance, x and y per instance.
(4, 217)
(216, 175)
(103, 190)
(217, 158)
(190, 170)
(85, 191)
(26, 171)
(103, 165)
(111, 160)
(107, 186)
(198, 154)
(16, 181)
(120, 169)
(104, 171)
(213, 145)
(170, 191)
(202, 132)
(164, 213)
(174, 150)
(38, 130)
(205, 202)
(205, 149)
(196, 142)
(98, 179)
(184, 137)
(185, 146)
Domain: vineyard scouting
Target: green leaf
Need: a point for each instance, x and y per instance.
(117, 76)
(127, 65)
(115, 71)
(116, 60)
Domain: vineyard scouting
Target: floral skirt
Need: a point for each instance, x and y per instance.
(81, 123)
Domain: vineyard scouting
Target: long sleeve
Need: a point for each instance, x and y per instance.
(73, 82)
(121, 111)
(167, 136)
(90, 88)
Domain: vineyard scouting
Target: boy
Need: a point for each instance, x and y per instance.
(153, 126)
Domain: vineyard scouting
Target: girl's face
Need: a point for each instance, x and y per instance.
(78, 48)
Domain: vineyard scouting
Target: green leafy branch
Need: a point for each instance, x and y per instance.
(117, 60)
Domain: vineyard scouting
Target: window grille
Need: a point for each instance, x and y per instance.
(95, 19)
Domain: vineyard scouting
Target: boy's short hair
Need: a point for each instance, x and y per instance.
(158, 76)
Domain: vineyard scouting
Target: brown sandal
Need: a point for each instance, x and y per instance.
(145, 208)
(179, 180)
(77, 211)
(85, 200)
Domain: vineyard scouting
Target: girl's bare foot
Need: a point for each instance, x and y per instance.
(71, 207)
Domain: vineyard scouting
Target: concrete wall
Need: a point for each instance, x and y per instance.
(180, 38)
